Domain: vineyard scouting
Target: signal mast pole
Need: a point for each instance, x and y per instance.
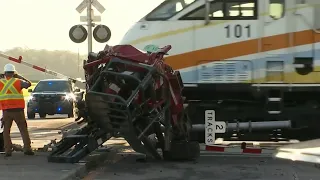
(89, 24)
(101, 33)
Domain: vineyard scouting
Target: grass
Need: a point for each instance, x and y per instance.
(25, 91)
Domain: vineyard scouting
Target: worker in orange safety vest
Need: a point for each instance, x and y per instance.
(12, 104)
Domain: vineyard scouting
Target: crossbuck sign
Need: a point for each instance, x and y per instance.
(212, 127)
(101, 33)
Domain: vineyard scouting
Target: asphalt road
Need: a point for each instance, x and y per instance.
(210, 166)
(42, 131)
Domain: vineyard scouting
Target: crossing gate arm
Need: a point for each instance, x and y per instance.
(38, 68)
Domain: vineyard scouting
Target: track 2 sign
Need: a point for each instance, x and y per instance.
(102, 33)
(78, 34)
(212, 127)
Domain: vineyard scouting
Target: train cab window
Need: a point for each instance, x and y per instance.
(240, 9)
(222, 10)
(168, 9)
(276, 9)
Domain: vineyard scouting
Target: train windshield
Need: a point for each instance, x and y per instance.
(167, 9)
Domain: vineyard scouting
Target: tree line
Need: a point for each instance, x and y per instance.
(64, 62)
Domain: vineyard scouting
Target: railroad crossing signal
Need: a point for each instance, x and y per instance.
(98, 6)
(95, 4)
(82, 6)
(212, 127)
(101, 33)
(78, 33)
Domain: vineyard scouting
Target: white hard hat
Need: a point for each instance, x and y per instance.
(9, 68)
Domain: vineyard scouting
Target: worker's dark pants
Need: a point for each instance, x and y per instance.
(19, 117)
(1, 143)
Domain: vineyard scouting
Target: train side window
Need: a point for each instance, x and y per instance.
(276, 9)
(216, 10)
(222, 10)
(240, 9)
(168, 9)
(199, 13)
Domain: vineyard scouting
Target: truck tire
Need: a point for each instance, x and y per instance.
(31, 115)
(182, 151)
(42, 115)
(197, 136)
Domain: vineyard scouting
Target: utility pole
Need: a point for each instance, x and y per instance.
(89, 24)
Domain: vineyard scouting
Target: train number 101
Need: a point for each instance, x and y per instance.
(238, 31)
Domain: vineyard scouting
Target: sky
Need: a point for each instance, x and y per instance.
(45, 24)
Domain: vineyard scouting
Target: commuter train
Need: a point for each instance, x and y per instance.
(256, 63)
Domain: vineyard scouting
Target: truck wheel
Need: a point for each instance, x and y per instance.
(31, 115)
(182, 151)
(197, 136)
(42, 115)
